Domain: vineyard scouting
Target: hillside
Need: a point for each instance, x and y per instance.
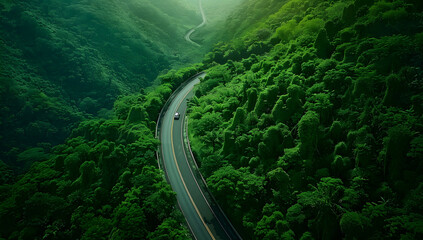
(102, 183)
(309, 122)
(217, 13)
(64, 61)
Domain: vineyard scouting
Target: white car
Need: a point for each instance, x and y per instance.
(177, 116)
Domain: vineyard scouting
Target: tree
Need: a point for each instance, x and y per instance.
(307, 132)
(169, 229)
(153, 106)
(321, 205)
(72, 164)
(275, 140)
(323, 45)
(337, 80)
(351, 224)
(252, 99)
(158, 205)
(288, 105)
(336, 131)
(129, 220)
(271, 226)
(266, 100)
(136, 115)
(236, 189)
(397, 146)
(97, 228)
(89, 173)
(239, 118)
(42, 208)
(394, 87)
(322, 105)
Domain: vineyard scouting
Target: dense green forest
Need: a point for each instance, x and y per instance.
(309, 123)
(82, 71)
(217, 13)
(103, 183)
(65, 61)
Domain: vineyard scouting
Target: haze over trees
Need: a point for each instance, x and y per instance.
(65, 61)
(308, 124)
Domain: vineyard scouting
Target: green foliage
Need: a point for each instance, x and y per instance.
(286, 31)
(123, 105)
(416, 148)
(176, 77)
(288, 105)
(63, 62)
(103, 183)
(266, 100)
(271, 227)
(307, 132)
(328, 111)
(238, 118)
(351, 225)
(341, 149)
(307, 125)
(393, 90)
(321, 104)
(236, 189)
(136, 115)
(397, 147)
(275, 139)
(89, 173)
(29, 156)
(252, 99)
(323, 45)
(169, 229)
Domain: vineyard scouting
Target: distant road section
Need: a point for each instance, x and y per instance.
(190, 32)
(205, 219)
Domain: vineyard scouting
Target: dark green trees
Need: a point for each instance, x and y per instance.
(322, 45)
(103, 183)
(289, 105)
(308, 133)
(328, 112)
(63, 62)
(352, 225)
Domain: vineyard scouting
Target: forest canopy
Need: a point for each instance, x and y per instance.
(308, 124)
(65, 61)
(102, 183)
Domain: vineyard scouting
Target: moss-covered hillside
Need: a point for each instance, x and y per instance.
(309, 123)
(102, 183)
(64, 61)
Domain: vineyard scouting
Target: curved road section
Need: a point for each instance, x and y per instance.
(190, 32)
(205, 220)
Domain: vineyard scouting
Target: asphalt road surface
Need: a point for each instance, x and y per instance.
(205, 220)
(190, 32)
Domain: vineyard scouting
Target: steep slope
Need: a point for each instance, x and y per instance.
(216, 12)
(309, 123)
(248, 16)
(62, 61)
(102, 183)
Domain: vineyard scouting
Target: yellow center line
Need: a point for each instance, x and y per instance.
(179, 171)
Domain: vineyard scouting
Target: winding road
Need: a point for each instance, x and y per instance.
(204, 217)
(190, 32)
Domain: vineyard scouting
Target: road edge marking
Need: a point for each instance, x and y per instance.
(196, 182)
(179, 205)
(179, 171)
